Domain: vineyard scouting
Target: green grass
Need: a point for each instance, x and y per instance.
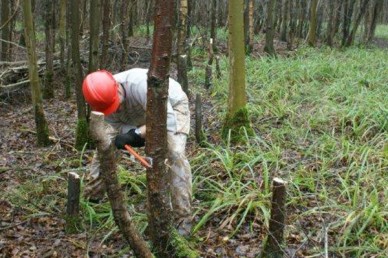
(382, 31)
(321, 123)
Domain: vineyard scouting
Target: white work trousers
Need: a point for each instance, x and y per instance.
(180, 174)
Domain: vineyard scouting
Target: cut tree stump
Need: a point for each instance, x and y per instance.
(274, 244)
(73, 222)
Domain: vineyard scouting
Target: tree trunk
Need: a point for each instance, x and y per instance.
(188, 33)
(124, 33)
(106, 156)
(269, 29)
(82, 126)
(371, 27)
(311, 36)
(182, 56)
(330, 23)
(251, 25)
(94, 19)
(6, 30)
(285, 20)
(237, 115)
(361, 13)
(106, 13)
(62, 32)
(40, 119)
(48, 91)
(159, 201)
(347, 19)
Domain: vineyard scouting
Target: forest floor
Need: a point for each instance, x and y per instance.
(33, 187)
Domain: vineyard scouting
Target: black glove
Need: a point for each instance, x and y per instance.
(130, 138)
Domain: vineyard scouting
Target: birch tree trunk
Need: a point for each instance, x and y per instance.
(40, 119)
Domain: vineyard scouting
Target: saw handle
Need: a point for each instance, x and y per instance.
(137, 156)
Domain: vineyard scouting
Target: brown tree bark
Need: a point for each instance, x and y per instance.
(182, 56)
(348, 6)
(106, 20)
(269, 29)
(159, 201)
(48, 91)
(361, 13)
(82, 126)
(124, 33)
(108, 174)
(94, 23)
(312, 36)
(285, 20)
(62, 32)
(273, 247)
(375, 10)
(5, 29)
(72, 208)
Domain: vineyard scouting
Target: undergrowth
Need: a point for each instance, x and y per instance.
(320, 121)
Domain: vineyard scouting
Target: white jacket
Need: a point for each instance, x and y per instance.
(133, 111)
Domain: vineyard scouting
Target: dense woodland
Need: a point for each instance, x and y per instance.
(288, 145)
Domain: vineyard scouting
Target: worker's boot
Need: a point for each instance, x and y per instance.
(95, 190)
(184, 226)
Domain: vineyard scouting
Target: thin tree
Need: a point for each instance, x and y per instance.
(5, 29)
(330, 22)
(370, 27)
(160, 213)
(269, 29)
(94, 19)
(312, 34)
(82, 124)
(62, 32)
(285, 20)
(124, 32)
(48, 90)
(348, 6)
(106, 20)
(237, 115)
(356, 23)
(182, 56)
(40, 119)
(251, 27)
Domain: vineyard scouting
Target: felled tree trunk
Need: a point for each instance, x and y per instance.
(116, 198)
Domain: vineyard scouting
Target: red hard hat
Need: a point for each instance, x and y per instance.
(101, 92)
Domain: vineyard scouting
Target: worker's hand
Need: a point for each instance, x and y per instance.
(130, 138)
